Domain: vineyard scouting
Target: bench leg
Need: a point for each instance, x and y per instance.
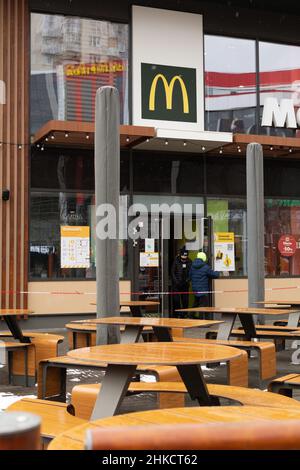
(280, 388)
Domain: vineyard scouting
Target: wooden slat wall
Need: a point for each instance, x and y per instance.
(14, 161)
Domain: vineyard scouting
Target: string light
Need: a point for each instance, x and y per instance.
(87, 136)
(66, 135)
(127, 139)
(15, 144)
(203, 148)
(184, 143)
(166, 142)
(271, 148)
(290, 150)
(221, 151)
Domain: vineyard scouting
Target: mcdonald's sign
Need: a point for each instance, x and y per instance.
(168, 93)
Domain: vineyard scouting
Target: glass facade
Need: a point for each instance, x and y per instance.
(70, 59)
(230, 84)
(282, 225)
(62, 195)
(239, 75)
(279, 78)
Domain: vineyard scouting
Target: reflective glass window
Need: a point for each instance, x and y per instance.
(70, 59)
(52, 212)
(282, 237)
(230, 215)
(279, 78)
(230, 84)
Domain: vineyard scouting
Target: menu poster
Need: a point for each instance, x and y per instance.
(75, 247)
(224, 251)
(149, 260)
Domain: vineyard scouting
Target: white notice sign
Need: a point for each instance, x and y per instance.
(149, 260)
(75, 247)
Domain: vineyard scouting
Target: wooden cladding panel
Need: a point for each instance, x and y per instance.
(14, 161)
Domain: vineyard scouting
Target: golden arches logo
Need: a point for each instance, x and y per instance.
(169, 88)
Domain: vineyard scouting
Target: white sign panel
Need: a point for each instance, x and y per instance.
(170, 45)
(149, 260)
(224, 251)
(149, 245)
(75, 247)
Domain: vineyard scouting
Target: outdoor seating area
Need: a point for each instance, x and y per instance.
(149, 231)
(176, 356)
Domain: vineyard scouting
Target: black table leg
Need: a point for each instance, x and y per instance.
(135, 311)
(193, 379)
(163, 334)
(248, 325)
(16, 331)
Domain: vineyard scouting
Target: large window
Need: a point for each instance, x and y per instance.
(62, 196)
(52, 214)
(282, 237)
(70, 59)
(279, 78)
(230, 215)
(230, 84)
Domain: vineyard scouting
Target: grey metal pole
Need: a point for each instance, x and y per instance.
(107, 190)
(255, 225)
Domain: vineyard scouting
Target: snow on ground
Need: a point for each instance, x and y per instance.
(7, 399)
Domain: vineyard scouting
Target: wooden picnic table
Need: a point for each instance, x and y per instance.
(135, 305)
(245, 314)
(294, 317)
(122, 361)
(162, 327)
(10, 317)
(75, 438)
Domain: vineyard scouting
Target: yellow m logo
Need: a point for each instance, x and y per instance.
(169, 87)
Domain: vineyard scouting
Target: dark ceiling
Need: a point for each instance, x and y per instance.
(284, 6)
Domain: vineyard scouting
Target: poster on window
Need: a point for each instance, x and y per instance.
(224, 251)
(75, 247)
(149, 260)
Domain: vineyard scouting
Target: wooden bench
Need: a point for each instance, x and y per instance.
(278, 337)
(10, 348)
(42, 346)
(83, 335)
(55, 417)
(259, 435)
(285, 385)
(265, 350)
(84, 396)
(58, 417)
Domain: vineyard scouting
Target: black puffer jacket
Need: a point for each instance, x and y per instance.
(180, 272)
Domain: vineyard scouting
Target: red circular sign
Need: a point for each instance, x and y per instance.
(287, 245)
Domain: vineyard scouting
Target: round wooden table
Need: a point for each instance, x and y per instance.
(74, 439)
(162, 327)
(123, 359)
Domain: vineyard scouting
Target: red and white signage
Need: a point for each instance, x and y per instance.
(287, 245)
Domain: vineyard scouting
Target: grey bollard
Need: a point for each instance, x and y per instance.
(19, 431)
